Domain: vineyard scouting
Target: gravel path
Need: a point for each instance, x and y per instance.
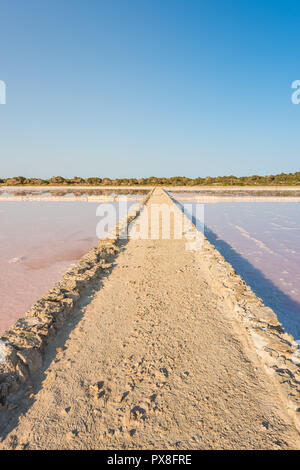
(150, 359)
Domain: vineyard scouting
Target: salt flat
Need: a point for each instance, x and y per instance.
(39, 241)
(261, 240)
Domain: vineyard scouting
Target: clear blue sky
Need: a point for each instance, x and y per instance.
(123, 88)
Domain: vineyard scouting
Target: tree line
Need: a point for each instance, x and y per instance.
(254, 180)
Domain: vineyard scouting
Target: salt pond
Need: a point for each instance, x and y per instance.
(261, 240)
(39, 241)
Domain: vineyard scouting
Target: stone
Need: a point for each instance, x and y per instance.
(32, 358)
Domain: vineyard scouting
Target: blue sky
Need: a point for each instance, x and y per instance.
(133, 88)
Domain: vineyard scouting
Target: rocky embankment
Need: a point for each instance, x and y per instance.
(170, 350)
(23, 345)
(278, 350)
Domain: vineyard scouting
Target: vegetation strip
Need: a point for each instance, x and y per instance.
(280, 179)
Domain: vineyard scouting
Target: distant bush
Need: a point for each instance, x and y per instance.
(254, 180)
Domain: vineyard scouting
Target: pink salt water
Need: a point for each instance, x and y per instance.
(261, 240)
(39, 241)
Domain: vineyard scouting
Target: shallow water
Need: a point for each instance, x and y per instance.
(70, 192)
(262, 242)
(39, 241)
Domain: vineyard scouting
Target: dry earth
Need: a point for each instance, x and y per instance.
(151, 358)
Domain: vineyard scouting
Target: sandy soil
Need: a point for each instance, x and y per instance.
(151, 358)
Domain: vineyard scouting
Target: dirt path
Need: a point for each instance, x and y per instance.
(150, 359)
